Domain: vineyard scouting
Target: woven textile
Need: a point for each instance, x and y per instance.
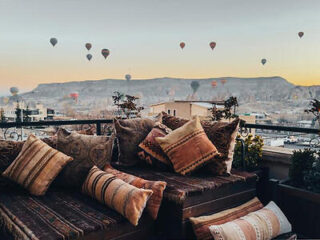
(152, 153)
(263, 224)
(188, 147)
(201, 224)
(157, 187)
(221, 134)
(36, 166)
(87, 151)
(126, 199)
(130, 133)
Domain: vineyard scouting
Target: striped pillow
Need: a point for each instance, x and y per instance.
(201, 224)
(157, 187)
(126, 199)
(188, 147)
(36, 166)
(266, 223)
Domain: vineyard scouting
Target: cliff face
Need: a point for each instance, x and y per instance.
(162, 89)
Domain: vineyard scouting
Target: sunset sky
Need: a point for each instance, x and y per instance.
(144, 35)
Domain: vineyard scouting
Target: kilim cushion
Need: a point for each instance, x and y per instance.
(36, 166)
(130, 133)
(87, 151)
(157, 187)
(221, 134)
(201, 224)
(264, 224)
(126, 199)
(152, 153)
(188, 147)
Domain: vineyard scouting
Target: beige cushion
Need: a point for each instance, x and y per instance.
(36, 166)
(126, 199)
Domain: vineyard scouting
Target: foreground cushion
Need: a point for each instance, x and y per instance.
(126, 199)
(221, 134)
(264, 224)
(87, 151)
(188, 147)
(36, 166)
(201, 224)
(157, 187)
(151, 152)
(130, 133)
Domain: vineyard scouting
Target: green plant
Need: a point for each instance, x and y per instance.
(253, 152)
(229, 111)
(312, 177)
(301, 162)
(126, 104)
(314, 109)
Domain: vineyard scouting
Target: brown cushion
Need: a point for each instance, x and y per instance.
(157, 187)
(87, 151)
(221, 134)
(151, 152)
(130, 133)
(201, 224)
(126, 199)
(36, 166)
(188, 147)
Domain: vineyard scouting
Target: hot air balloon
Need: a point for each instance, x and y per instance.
(223, 82)
(182, 45)
(263, 61)
(105, 52)
(300, 34)
(128, 77)
(53, 41)
(195, 86)
(14, 90)
(212, 45)
(213, 83)
(88, 46)
(89, 56)
(74, 96)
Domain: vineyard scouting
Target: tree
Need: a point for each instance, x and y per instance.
(126, 104)
(229, 111)
(314, 109)
(2, 116)
(26, 115)
(18, 112)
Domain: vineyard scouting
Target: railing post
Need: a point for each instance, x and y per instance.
(98, 128)
(243, 153)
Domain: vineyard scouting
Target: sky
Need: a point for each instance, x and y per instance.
(143, 37)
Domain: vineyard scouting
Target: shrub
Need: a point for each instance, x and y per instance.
(312, 177)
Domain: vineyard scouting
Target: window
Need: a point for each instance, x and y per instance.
(174, 112)
(168, 111)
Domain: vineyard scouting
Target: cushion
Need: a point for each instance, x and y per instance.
(201, 224)
(263, 224)
(188, 147)
(126, 199)
(36, 166)
(130, 133)
(87, 151)
(157, 187)
(221, 134)
(151, 152)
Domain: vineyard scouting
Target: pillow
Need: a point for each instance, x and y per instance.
(157, 187)
(201, 224)
(87, 151)
(188, 147)
(221, 134)
(130, 133)
(36, 166)
(266, 223)
(152, 153)
(126, 199)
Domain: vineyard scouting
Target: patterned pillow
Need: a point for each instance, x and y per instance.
(130, 133)
(188, 147)
(87, 151)
(152, 153)
(221, 134)
(157, 187)
(126, 199)
(266, 223)
(36, 166)
(201, 224)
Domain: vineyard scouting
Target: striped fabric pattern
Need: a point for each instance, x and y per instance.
(201, 224)
(36, 166)
(188, 147)
(157, 187)
(126, 199)
(264, 224)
